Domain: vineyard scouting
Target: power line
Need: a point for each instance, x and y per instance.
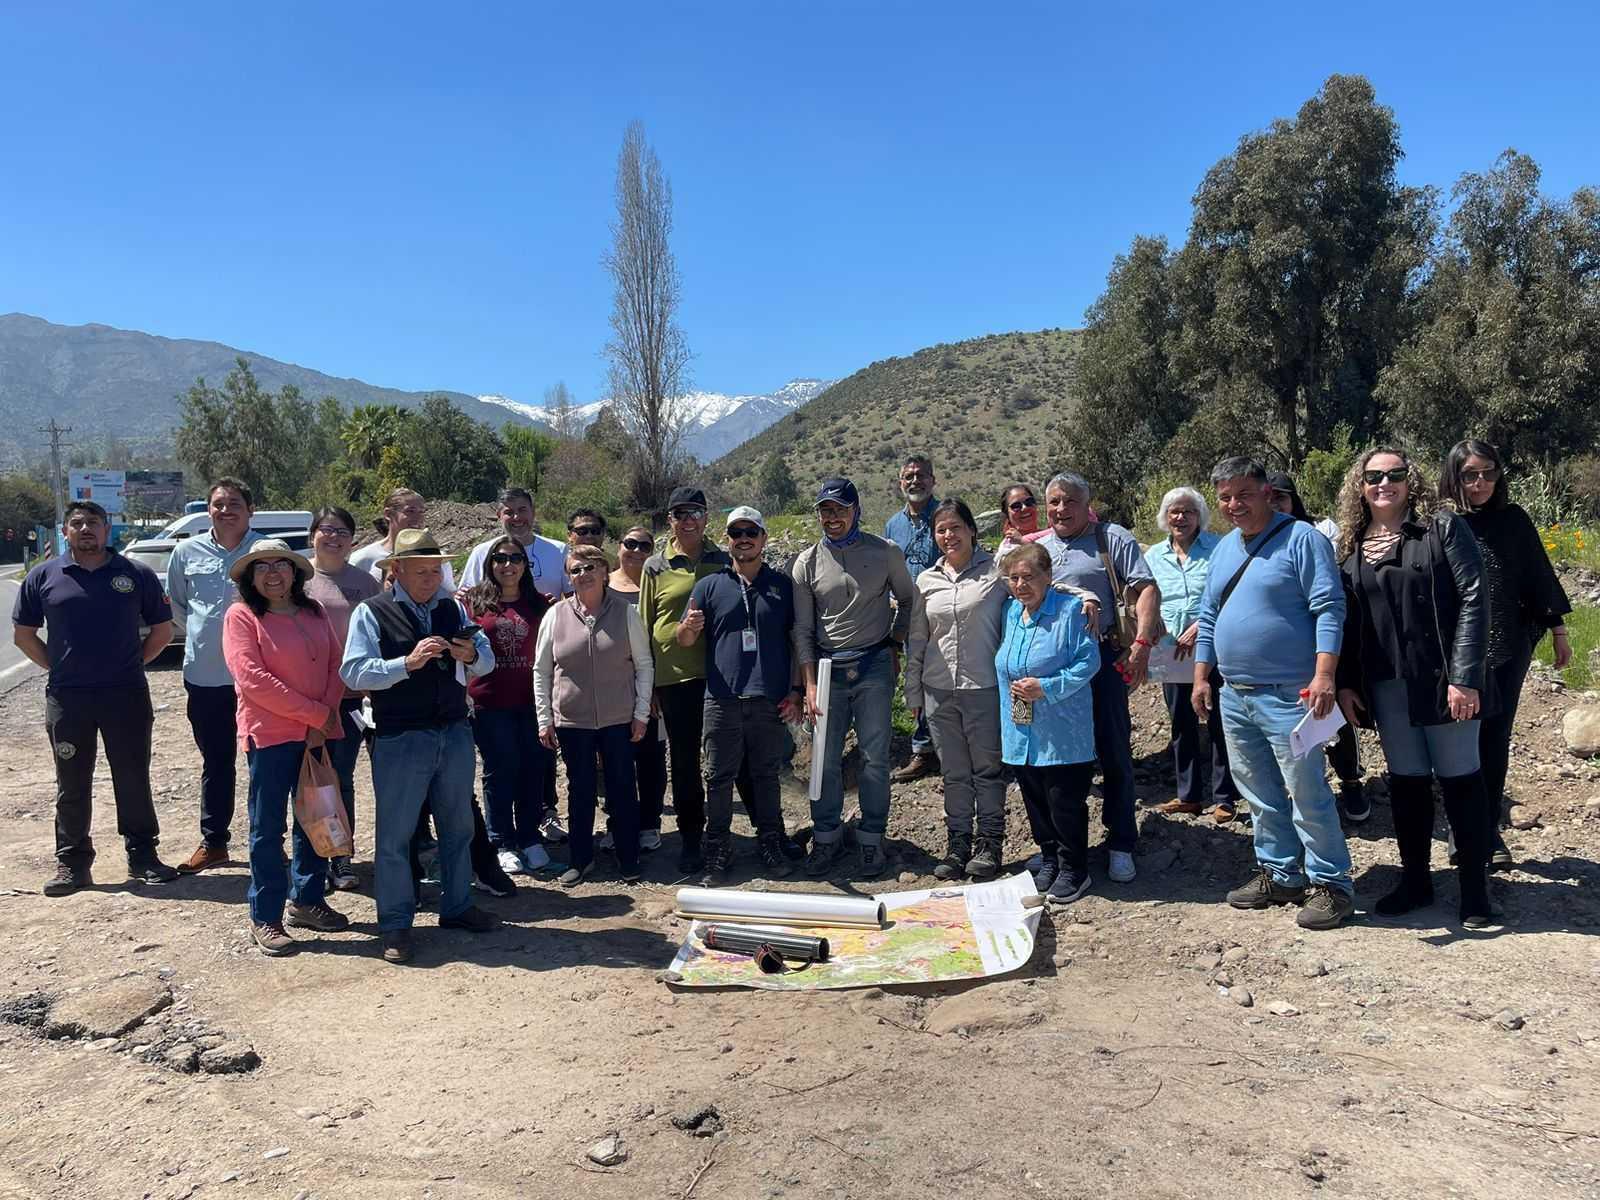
(57, 484)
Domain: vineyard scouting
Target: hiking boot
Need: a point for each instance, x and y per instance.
(67, 880)
(203, 859)
(1068, 886)
(397, 946)
(1325, 908)
(793, 849)
(272, 938)
(923, 763)
(471, 918)
(770, 852)
(823, 858)
(985, 860)
(340, 877)
(1353, 802)
(150, 869)
(958, 849)
(690, 858)
(315, 916)
(1045, 869)
(1262, 891)
(649, 839)
(1187, 807)
(719, 857)
(873, 862)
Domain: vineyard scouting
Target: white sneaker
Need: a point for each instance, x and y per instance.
(511, 863)
(534, 857)
(552, 829)
(1122, 869)
(607, 842)
(649, 839)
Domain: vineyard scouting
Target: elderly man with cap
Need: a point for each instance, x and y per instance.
(852, 605)
(93, 602)
(413, 648)
(680, 678)
(746, 612)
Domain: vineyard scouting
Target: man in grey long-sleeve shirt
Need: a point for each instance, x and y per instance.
(843, 588)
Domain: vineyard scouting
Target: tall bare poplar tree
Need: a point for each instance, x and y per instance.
(647, 352)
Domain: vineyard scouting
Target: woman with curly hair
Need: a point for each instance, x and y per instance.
(1413, 664)
(1525, 600)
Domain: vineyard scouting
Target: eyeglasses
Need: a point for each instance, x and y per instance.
(1019, 505)
(639, 547)
(688, 514)
(588, 530)
(1487, 475)
(272, 564)
(744, 532)
(505, 560)
(582, 569)
(1393, 475)
(334, 531)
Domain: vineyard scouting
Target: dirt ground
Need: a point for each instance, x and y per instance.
(1418, 1059)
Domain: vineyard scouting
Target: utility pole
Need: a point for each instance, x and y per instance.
(55, 431)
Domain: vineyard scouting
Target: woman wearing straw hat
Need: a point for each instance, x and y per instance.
(284, 657)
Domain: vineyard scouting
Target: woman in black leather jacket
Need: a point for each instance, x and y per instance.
(1413, 664)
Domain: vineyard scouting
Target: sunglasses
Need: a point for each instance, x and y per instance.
(688, 514)
(581, 569)
(1393, 475)
(744, 532)
(1487, 475)
(505, 560)
(588, 530)
(637, 546)
(1019, 505)
(334, 531)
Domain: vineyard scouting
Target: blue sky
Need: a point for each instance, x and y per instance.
(418, 195)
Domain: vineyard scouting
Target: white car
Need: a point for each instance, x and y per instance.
(156, 552)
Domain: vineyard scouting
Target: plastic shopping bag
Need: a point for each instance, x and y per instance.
(319, 808)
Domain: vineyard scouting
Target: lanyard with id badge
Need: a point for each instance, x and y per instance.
(748, 638)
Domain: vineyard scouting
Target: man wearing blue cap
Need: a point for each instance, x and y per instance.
(843, 588)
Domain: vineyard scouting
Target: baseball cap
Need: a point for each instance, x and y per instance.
(1279, 481)
(838, 490)
(686, 497)
(745, 513)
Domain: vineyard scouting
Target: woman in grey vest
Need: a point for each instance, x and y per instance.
(592, 677)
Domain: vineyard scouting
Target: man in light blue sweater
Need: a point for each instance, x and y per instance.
(1275, 640)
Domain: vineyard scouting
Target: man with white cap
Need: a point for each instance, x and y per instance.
(413, 648)
(746, 612)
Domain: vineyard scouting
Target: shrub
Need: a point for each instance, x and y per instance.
(1583, 486)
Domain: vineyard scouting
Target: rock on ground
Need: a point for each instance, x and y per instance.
(977, 1012)
(107, 1010)
(1581, 729)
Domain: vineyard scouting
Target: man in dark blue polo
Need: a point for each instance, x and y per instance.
(746, 612)
(92, 602)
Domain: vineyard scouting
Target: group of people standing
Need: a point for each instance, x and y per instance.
(1416, 613)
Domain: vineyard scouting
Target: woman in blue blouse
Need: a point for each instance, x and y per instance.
(1181, 564)
(1045, 662)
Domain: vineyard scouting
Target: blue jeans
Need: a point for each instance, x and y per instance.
(922, 735)
(614, 747)
(436, 766)
(1113, 746)
(865, 703)
(1442, 750)
(1296, 819)
(342, 753)
(513, 775)
(274, 776)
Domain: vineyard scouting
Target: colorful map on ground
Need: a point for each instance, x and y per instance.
(965, 932)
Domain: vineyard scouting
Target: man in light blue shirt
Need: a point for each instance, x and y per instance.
(909, 529)
(413, 648)
(200, 590)
(1275, 638)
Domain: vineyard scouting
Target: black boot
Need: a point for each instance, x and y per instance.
(954, 863)
(718, 859)
(1466, 803)
(1411, 802)
(985, 860)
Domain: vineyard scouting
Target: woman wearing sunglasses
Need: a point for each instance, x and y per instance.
(650, 751)
(1019, 520)
(593, 673)
(509, 609)
(1413, 664)
(1525, 600)
(338, 587)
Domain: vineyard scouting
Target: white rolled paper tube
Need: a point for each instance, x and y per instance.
(819, 730)
(779, 908)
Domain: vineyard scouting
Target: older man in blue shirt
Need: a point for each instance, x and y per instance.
(413, 649)
(1272, 622)
(909, 529)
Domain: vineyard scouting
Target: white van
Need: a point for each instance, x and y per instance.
(271, 522)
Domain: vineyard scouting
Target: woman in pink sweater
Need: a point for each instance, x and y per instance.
(284, 657)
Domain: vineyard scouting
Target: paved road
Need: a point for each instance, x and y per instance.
(14, 668)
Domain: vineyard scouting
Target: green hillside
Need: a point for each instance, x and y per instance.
(985, 410)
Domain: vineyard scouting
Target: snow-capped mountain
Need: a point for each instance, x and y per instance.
(716, 422)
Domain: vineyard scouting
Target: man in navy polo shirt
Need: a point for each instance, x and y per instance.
(92, 602)
(746, 611)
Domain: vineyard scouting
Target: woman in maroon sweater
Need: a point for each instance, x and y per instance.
(509, 608)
